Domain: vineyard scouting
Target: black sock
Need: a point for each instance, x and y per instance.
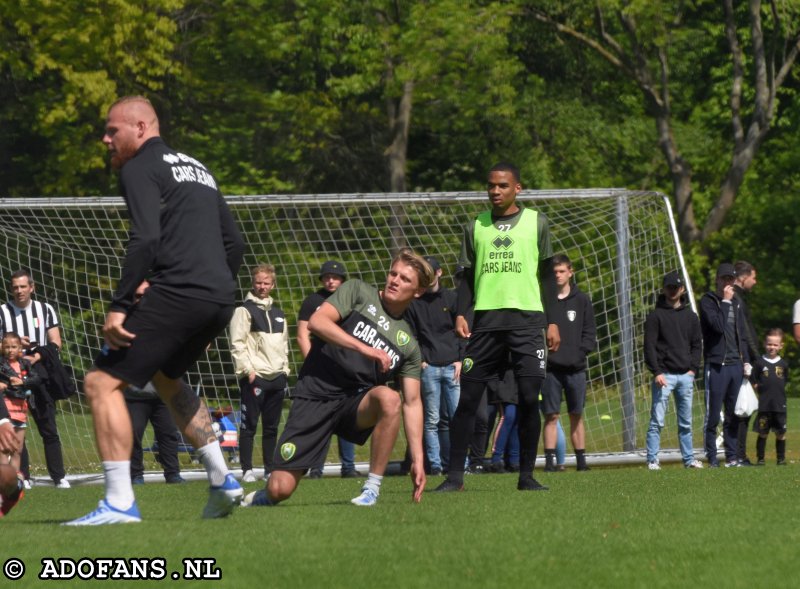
(530, 423)
(549, 457)
(780, 449)
(761, 446)
(462, 427)
(580, 458)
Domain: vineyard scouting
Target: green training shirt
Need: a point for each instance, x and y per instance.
(332, 372)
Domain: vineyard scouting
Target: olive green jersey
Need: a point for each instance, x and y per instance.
(331, 371)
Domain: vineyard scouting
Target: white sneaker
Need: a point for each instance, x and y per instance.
(222, 499)
(248, 477)
(256, 499)
(653, 466)
(106, 514)
(27, 484)
(695, 464)
(368, 498)
(63, 484)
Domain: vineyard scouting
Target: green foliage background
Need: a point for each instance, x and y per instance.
(294, 97)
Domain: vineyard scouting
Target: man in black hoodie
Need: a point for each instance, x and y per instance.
(726, 360)
(672, 347)
(566, 367)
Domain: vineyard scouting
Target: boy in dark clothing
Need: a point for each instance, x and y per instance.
(769, 378)
(672, 346)
(566, 367)
(726, 361)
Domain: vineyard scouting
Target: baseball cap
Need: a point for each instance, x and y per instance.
(726, 270)
(434, 263)
(331, 267)
(673, 279)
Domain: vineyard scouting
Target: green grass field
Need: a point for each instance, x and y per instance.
(611, 527)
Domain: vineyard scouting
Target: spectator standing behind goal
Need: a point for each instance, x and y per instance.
(37, 325)
(12, 487)
(145, 405)
(16, 381)
(184, 240)
(672, 347)
(503, 399)
(260, 350)
(432, 318)
(770, 375)
(726, 363)
(566, 367)
(745, 281)
(796, 321)
(332, 274)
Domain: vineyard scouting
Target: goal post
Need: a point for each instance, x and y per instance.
(621, 243)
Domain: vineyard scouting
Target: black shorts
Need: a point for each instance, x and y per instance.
(488, 353)
(574, 386)
(769, 420)
(171, 334)
(311, 422)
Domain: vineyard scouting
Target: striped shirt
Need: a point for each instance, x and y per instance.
(33, 321)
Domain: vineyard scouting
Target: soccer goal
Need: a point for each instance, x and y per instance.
(621, 243)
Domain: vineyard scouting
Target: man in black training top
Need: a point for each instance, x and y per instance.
(507, 255)
(184, 240)
(361, 344)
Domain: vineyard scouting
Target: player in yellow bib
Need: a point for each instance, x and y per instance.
(507, 256)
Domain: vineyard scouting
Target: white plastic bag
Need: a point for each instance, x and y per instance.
(746, 402)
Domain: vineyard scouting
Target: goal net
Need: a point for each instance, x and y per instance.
(621, 243)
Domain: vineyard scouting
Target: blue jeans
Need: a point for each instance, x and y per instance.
(682, 387)
(561, 444)
(347, 454)
(440, 393)
(506, 442)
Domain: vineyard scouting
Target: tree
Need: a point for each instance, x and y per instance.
(647, 42)
(61, 66)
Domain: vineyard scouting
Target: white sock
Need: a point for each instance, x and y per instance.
(119, 490)
(374, 482)
(216, 467)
